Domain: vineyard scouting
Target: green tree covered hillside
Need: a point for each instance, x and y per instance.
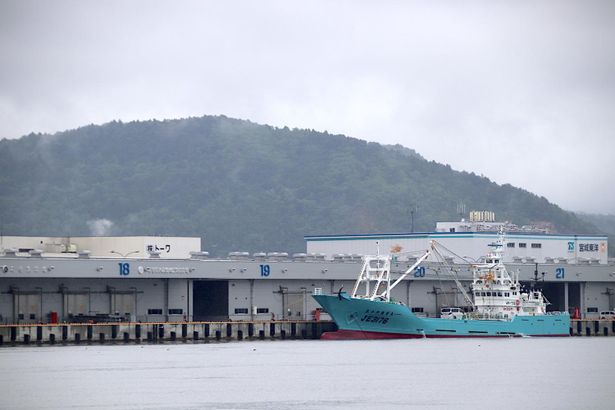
(239, 185)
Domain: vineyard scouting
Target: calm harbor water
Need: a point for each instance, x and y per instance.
(575, 373)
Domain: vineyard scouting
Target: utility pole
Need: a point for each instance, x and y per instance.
(413, 209)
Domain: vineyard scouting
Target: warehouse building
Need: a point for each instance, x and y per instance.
(67, 282)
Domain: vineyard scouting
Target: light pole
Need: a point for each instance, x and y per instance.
(124, 255)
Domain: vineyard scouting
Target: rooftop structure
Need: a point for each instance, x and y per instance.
(469, 239)
(485, 221)
(165, 247)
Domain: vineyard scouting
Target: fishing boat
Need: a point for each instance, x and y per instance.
(495, 305)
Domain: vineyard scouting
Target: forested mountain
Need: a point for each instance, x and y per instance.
(239, 185)
(606, 222)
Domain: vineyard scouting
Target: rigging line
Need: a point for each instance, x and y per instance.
(413, 253)
(440, 260)
(463, 258)
(436, 270)
(453, 274)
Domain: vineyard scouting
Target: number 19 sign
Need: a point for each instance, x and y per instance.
(265, 270)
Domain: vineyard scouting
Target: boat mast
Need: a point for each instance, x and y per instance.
(377, 269)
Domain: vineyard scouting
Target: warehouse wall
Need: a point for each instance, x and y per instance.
(25, 300)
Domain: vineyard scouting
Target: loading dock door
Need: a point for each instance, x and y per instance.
(210, 300)
(574, 296)
(294, 305)
(27, 307)
(123, 305)
(77, 304)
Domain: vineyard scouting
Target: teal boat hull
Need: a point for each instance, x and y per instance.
(367, 319)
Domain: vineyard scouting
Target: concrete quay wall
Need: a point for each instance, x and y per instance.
(195, 332)
(592, 327)
(75, 333)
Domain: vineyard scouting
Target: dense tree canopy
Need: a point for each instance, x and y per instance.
(239, 185)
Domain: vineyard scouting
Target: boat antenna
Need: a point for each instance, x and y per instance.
(536, 280)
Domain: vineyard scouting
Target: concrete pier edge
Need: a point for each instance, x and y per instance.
(159, 332)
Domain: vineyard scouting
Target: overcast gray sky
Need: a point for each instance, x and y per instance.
(520, 91)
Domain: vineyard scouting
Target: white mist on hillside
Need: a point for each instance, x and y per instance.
(100, 227)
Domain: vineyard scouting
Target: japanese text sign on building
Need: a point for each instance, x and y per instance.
(588, 247)
(165, 248)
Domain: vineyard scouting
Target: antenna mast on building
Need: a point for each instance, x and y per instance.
(413, 210)
(461, 209)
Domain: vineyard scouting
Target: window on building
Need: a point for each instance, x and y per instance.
(507, 294)
(33, 316)
(241, 311)
(510, 244)
(451, 230)
(154, 311)
(262, 310)
(592, 310)
(176, 311)
(536, 245)
(522, 245)
(417, 310)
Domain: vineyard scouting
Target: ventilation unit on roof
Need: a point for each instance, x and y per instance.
(199, 255)
(36, 253)
(10, 252)
(83, 254)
